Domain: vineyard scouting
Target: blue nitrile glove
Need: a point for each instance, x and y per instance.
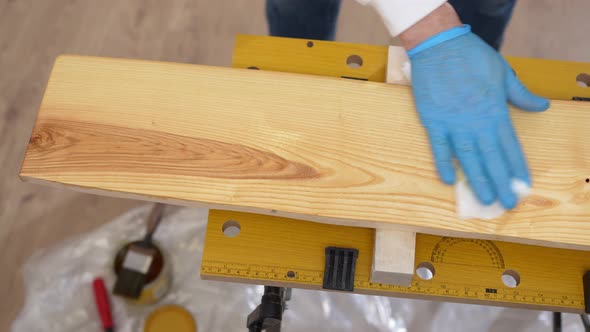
(461, 87)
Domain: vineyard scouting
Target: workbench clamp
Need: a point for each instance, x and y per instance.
(268, 315)
(339, 269)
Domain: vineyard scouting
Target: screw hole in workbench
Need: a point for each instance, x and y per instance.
(310, 44)
(290, 274)
(354, 61)
(254, 67)
(587, 180)
(583, 80)
(425, 271)
(231, 228)
(511, 278)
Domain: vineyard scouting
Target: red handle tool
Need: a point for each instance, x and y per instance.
(101, 298)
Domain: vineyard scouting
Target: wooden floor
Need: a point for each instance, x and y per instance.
(33, 33)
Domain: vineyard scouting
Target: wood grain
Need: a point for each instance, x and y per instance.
(152, 150)
(317, 148)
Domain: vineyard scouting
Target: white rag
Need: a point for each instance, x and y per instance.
(468, 206)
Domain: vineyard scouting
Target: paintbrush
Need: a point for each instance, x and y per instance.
(138, 259)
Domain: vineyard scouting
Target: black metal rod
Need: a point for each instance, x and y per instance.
(586, 285)
(557, 322)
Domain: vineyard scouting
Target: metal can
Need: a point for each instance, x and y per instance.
(170, 318)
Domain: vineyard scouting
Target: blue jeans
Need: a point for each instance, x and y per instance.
(316, 19)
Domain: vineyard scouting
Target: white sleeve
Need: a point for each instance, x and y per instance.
(398, 15)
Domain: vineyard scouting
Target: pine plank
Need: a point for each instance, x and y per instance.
(316, 148)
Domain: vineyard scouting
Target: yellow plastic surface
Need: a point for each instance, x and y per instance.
(170, 318)
(550, 78)
(322, 58)
(288, 252)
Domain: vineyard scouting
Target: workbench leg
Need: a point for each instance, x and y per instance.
(557, 322)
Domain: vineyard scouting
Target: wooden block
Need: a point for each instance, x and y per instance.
(317, 148)
(393, 257)
(398, 66)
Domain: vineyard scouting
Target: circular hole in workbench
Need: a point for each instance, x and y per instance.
(354, 61)
(231, 228)
(425, 271)
(583, 80)
(310, 44)
(511, 278)
(587, 180)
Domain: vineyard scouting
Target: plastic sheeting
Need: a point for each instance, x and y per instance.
(59, 292)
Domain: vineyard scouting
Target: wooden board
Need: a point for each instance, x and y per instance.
(317, 148)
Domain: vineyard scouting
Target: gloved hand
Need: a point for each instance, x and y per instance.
(461, 88)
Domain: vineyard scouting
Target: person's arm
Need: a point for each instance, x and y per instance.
(440, 19)
(461, 88)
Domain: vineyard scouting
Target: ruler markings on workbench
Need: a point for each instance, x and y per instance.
(461, 290)
(262, 272)
(452, 290)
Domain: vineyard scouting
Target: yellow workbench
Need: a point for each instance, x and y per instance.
(285, 252)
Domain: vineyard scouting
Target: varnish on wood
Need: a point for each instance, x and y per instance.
(324, 149)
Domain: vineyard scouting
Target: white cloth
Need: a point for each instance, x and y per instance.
(399, 15)
(468, 206)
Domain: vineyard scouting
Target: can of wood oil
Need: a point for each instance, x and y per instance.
(158, 279)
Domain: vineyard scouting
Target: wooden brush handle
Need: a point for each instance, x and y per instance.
(153, 220)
